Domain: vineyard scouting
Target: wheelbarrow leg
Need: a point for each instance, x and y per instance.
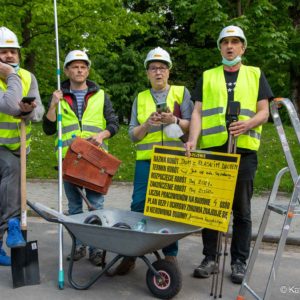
(94, 278)
(148, 263)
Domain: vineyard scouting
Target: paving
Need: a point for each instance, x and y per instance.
(133, 286)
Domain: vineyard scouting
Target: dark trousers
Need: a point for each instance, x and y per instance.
(241, 210)
(10, 193)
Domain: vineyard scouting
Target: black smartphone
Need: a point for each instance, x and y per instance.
(28, 100)
(162, 107)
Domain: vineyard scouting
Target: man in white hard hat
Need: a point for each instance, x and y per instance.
(154, 121)
(87, 112)
(220, 88)
(15, 83)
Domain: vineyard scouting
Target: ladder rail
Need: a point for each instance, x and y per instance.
(282, 136)
(289, 211)
(282, 241)
(261, 232)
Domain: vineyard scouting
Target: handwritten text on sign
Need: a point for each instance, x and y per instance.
(196, 190)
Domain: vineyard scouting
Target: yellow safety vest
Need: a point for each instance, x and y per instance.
(92, 122)
(214, 105)
(9, 125)
(145, 107)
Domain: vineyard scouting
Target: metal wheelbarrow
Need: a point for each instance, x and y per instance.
(114, 234)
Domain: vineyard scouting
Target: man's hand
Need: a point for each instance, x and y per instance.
(51, 114)
(56, 96)
(189, 147)
(239, 127)
(167, 117)
(26, 107)
(155, 119)
(5, 70)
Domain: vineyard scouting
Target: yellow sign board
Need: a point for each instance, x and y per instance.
(196, 190)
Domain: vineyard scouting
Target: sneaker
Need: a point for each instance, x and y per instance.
(80, 252)
(238, 272)
(171, 259)
(4, 258)
(95, 257)
(206, 268)
(127, 264)
(15, 237)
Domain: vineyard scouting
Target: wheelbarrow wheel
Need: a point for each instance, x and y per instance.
(170, 282)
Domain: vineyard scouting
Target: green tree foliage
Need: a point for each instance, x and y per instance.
(93, 25)
(118, 34)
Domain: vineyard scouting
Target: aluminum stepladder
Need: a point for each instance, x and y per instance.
(288, 211)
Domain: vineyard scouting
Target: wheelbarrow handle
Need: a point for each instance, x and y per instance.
(43, 214)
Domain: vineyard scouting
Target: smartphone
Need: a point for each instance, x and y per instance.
(162, 107)
(28, 100)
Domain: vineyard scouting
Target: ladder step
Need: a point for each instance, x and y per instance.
(281, 208)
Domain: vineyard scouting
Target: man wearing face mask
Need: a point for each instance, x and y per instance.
(15, 83)
(153, 122)
(209, 130)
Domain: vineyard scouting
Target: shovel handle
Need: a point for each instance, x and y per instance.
(23, 176)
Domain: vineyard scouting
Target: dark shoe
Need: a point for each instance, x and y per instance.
(95, 257)
(80, 252)
(14, 235)
(238, 272)
(127, 264)
(206, 268)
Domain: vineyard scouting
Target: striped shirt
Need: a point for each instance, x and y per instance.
(79, 94)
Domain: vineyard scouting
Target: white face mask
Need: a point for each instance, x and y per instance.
(173, 131)
(231, 63)
(16, 67)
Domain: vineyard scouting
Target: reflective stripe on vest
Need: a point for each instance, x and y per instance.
(10, 126)
(92, 122)
(214, 105)
(145, 106)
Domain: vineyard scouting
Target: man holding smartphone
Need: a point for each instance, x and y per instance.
(153, 122)
(15, 83)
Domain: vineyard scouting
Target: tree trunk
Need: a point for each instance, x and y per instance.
(29, 61)
(295, 88)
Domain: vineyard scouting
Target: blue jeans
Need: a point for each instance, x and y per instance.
(75, 201)
(142, 170)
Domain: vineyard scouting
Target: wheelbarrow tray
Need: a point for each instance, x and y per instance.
(126, 242)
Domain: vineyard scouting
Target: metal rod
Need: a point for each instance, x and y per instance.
(59, 120)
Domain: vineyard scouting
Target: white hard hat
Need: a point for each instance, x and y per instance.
(232, 31)
(8, 39)
(158, 54)
(76, 55)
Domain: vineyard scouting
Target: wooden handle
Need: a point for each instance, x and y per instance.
(23, 177)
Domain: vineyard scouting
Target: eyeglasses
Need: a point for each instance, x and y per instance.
(155, 69)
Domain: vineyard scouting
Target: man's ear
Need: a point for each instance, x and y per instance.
(66, 71)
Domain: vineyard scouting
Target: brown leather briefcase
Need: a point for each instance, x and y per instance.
(89, 166)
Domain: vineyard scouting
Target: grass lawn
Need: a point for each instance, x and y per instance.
(41, 161)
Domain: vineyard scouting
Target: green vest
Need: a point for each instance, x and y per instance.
(145, 107)
(214, 105)
(9, 125)
(92, 122)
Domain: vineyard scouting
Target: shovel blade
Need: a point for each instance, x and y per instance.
(25, 265)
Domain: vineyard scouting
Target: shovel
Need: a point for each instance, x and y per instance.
(24, 261)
